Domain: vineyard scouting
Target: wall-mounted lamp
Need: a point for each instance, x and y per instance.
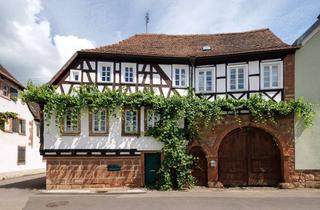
(212, 163)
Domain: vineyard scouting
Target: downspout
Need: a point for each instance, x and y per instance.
(41, 128)
(192, 60)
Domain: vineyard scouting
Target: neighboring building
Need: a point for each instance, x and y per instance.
(307, 76)
(19, 138)
(238, 65)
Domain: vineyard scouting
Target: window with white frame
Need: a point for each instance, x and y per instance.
(179, 77)
(271, 75)
(99, 121)
(131, 121)
(151, 118)
(105, 72)
(71, 125)
(75, 76)
(237, 77)
(205, 80)
(128, 72)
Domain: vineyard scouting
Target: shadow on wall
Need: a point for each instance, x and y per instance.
(113, 141)
(31, 184)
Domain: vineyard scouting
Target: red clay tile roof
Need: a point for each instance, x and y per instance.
(5, 73)
(191, 45)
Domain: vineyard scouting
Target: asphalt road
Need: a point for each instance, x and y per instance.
(181, 201)
(23, 193)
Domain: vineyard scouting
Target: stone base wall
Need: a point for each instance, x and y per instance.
(92, 172)
(306, 178)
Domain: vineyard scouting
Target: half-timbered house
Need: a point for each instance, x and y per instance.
(105, 151)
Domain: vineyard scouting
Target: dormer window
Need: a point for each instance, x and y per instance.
(75, 76)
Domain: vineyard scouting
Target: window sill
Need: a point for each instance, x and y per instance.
(70, 134)
(271, 88)
(22, 163)
(6, 97)
(130, 134)
(99, 134)
(134, 82)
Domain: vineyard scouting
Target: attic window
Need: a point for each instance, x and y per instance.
(206, 48)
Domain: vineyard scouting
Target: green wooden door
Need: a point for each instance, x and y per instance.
(152, 163)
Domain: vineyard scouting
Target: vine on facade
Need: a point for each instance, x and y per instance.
(175, 171)
(5, 116)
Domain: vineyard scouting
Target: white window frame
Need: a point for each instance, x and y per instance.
(72, 76)
(106, 65)
(205, 70)
(137, 122)
(237, 67)
(151, 118)
(186, 68)
(280, 74)
(123, 68)
(65, 124)
(100, 121)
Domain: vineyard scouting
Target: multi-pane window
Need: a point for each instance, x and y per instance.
(19, 126)
(99, 121)
(106, 74)
(180, 77)
(152, 118)
(205, 80)
(128, 74)
(237, 76)
(5, 89)
(71, 125)
(13, 92)
(271, 75)
(21, 155)
(75, 75)
(131, 121)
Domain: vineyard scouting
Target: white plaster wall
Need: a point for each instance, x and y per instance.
(53, 139)
(9, 142)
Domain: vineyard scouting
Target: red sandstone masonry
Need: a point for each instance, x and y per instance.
(91, 172)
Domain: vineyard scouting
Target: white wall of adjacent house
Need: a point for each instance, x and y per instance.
(113, 140)
(10, 141)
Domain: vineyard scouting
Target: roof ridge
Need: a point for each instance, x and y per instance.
(200, 34)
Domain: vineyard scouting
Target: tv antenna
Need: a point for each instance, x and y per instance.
(147, 19)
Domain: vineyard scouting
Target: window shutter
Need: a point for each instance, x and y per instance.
(23, 126)
(21, 155)
(15, 125)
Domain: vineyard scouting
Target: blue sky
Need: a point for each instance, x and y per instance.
(38, 36)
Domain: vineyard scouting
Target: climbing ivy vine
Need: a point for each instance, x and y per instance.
(175, 171)
(5, 116)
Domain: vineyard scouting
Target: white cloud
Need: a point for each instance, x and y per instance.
(68, 45)
(27, 49)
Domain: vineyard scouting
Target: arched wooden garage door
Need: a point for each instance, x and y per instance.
(249, 156)
(199, 169)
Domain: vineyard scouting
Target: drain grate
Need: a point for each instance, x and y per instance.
(57, 204)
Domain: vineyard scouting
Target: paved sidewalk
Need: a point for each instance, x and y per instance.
(15, 192)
